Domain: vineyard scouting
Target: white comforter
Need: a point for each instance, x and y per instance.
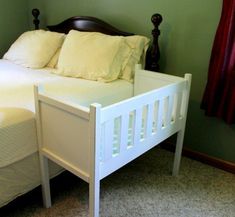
(16, 91)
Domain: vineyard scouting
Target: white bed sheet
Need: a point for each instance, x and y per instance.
(16, 91)
(16, 87)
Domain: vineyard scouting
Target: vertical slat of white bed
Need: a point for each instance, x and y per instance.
(137, 125)
(160, 115)
(124, 132)
(184, 104)
(94, 181)
(108, 140)
(155, 116)
(178, 105)
(45, 180)
(149, 120)
(169, 110)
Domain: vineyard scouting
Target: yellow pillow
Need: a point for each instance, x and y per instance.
(54, 60)
(93, 56)
(34, 49)
(138, 45)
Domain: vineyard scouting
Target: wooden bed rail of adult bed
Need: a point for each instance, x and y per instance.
(96, 141)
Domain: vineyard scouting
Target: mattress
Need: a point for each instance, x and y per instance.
(21, 177)
(17, 135)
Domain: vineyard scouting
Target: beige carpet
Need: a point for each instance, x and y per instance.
(143, 188)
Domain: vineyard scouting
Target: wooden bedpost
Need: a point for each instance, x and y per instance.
(153, 53)
(36, 21)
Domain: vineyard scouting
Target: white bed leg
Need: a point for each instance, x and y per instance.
(178, 152)
(94, 198)
(94, 181)
(46, 194)
(180, 134)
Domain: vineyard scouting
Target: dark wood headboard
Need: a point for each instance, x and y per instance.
(92, 24)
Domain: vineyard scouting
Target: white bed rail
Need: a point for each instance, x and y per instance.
(94, 142)
(133, 126)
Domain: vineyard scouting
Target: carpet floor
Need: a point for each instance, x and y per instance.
(143, 188)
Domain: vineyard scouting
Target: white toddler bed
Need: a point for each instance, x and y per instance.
(92, 142)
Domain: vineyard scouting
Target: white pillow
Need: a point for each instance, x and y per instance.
(138, 45)
(93, 56)
(34, 49)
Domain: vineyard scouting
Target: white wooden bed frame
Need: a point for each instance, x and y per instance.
(81, 139)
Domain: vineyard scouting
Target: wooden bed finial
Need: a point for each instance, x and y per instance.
(36, 13)
(153, 53)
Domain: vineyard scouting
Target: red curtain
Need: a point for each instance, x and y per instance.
(219, 95)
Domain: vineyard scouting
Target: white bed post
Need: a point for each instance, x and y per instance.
(94, 180)
(46, 195)
(180, 134)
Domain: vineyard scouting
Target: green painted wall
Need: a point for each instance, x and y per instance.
(13, 21)
(186, 39)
